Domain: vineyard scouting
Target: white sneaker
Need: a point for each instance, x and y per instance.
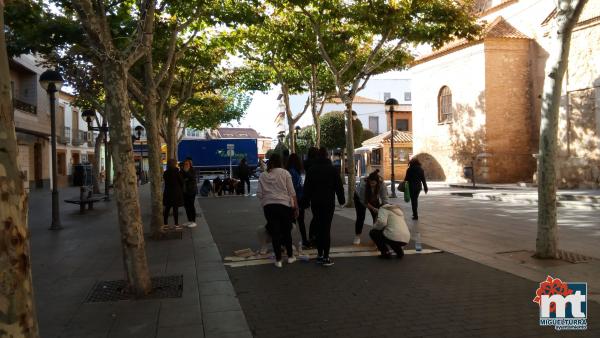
(356, 240)
(291, 260)
(278, 264)
(186, 224)
(191, 225)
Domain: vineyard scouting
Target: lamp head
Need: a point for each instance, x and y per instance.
(392, 105)
(138, 131)
(88, 115)
(51, 81)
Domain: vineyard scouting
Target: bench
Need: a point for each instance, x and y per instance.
(85, 198)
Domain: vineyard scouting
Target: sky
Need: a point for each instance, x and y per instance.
(264, 108)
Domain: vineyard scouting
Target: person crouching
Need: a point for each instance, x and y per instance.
(391, 230)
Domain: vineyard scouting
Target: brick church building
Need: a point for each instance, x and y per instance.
(478, 102)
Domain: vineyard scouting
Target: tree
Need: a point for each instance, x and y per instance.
(115, 52)
(358, 39)
(567, 15)
(17, 312)
(333, 130)
(367, 134)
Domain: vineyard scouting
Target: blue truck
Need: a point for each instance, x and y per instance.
(211, 155)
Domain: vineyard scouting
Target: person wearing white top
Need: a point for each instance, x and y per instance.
(280, 205)
(391, 230)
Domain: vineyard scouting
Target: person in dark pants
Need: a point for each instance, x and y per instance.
(371, 193)
(415, 176)
(390, 230)
(278, 199)
(173, 193)
(294, 166)
(190, 189)
(323, 183)
(304, 204)
(244, 175)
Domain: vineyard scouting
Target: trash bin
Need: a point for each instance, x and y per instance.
(468, 172)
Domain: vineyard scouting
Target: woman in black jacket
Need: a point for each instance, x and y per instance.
(190, 189)
(415, 176)
(173, 194)
(322, 184)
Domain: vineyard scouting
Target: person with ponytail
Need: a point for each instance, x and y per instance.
(371, 194)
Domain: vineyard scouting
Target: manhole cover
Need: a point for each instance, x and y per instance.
(115, 290)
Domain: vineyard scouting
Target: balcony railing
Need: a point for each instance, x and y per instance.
(24, 106)
(78, 138)
(64, 137)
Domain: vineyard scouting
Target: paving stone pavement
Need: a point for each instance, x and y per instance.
(67, 263)
(436, 295)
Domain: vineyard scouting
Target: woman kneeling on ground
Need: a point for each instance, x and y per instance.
(371, 194)
(390, 229)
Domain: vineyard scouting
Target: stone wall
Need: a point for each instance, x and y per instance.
(508, 120)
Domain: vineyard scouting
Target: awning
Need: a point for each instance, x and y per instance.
(367, 148)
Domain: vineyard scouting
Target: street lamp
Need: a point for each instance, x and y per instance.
(51, 81)
(137, 137)
(392, 105)
(89, 116)
(296, 132)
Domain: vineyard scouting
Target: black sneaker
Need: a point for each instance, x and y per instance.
(385, 256)
(319, 260)
(327, 262)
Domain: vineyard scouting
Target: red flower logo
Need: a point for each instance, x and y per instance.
(551, 286)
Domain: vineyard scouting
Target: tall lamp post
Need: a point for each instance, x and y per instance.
(296, 132)
(89, 116)
(137, 137)
(392, 105)
(52, 81)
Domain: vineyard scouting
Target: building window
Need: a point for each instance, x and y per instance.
(445, 105)
(402, 155)
(407, 96)
(402, 125)
(376, 157)
(387, 96)
(374, 124)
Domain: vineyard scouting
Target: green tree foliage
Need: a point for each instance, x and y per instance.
(333, 130)
(209, 110)
(367, 134)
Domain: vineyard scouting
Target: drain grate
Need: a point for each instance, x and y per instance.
(573, 257)
(168, 235)
(115, 290)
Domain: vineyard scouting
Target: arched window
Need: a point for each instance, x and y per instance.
(445, 105)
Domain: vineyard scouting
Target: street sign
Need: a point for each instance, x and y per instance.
(230, 146)
(230, 152)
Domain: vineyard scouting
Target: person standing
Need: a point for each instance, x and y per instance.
(323, 183)
(294, 166)
(173, 193)
(390, 229)
(244, 175)
(310, 159)
(371, 193)
(190, 189)
(415, 176)
(278, 199)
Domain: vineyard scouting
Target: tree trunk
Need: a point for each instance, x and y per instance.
(172, 137)
(568, 12)
(317, 124)
(154, 161)
(291, 136)
(125, 180)
(17, 308)
(97, 164)
(350, 151)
